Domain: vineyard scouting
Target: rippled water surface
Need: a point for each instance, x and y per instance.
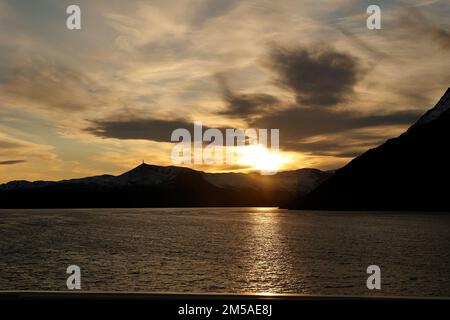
(225, 250)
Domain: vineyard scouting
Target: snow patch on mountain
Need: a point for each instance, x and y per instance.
(441, 107)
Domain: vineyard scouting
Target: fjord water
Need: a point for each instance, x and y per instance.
(226, 250)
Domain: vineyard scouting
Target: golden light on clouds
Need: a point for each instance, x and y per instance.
(102, 99)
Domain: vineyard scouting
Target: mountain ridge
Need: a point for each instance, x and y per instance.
(151, 185)
(406, 173)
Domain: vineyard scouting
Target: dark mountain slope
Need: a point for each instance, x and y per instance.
(411, 172)
(156, 186)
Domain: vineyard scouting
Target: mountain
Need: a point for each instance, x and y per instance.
(300, 181)
(157, 186)
(407, 173)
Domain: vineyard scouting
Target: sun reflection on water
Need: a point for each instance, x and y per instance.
(267, 257)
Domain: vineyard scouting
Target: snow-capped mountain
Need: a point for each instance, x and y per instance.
(302, 180)
(150, 185)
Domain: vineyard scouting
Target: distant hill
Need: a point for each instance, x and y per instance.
(410, 172)
(157, 186)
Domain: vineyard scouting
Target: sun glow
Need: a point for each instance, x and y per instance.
(260, 158)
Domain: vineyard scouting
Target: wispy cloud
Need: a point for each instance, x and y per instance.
(48, 85)
(417, 22)
(114, 91)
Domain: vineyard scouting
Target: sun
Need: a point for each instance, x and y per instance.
(258, 157)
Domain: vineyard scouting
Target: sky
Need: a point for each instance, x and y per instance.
(102, 99)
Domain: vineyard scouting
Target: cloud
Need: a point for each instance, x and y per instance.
(298, 124)
(157, 59)
(52, 86)
(14, 151)
(347, 144)
(245, 105)
(138, 129)
(425, 3)
(364, 45)
(419, 25)
(319, 76)
(9, 145)
(15, 148)
(299, 129)
(209, 9)
(337, 147)
(305, 122)
(7, 162)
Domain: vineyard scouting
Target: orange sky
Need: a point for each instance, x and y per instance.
(103, 98)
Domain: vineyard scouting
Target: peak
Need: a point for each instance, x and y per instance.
(446, 95)
(143, 165)
(150, 168)
(441, 107)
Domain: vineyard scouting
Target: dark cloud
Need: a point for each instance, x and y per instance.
(298, 124)
(248, 104)
(149, 129)
(144, 129)
(139, 129)
(245, 105)
(344, 145)
(419, 25)
(295, 124)
(7, 162)
(319, 76)
(306, 122)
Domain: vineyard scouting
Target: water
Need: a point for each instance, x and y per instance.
(225, 250)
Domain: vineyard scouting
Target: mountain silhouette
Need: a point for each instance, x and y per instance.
(410, 172)
(158, 186)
